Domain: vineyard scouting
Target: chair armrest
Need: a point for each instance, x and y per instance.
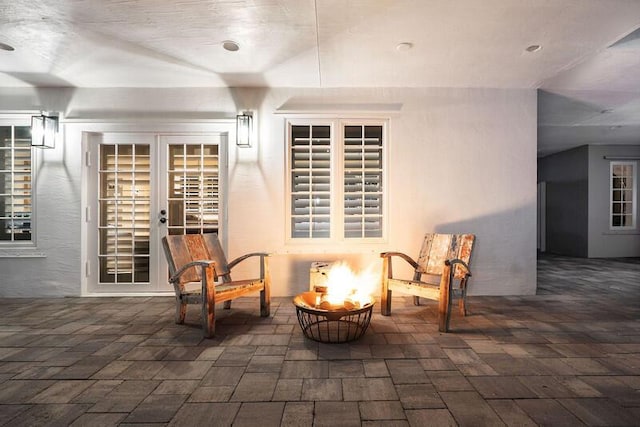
(243, 257)
(405, 257)
(457, 261)
(202, 263)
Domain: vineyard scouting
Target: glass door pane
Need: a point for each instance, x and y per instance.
(193, 188)
(143, 187)
(124, 203)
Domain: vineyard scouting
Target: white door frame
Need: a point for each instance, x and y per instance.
(225, 128)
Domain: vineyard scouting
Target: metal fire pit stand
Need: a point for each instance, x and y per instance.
(331, 326)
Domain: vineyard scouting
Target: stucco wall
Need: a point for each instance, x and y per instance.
(53, 267)
(603, 242)
(460, 160)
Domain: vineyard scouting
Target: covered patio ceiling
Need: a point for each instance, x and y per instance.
(587, 63)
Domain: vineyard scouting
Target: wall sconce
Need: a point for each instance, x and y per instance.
(44, 130)
(244, 129)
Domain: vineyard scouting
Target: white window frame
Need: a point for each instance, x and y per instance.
(337, 216)
(634, 195)
(8, 247)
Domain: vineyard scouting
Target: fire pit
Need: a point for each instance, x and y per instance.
(327, 322)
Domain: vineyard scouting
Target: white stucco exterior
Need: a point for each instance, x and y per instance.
(460, 160)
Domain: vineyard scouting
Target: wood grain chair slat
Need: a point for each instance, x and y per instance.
(200, 274)
(443, 259)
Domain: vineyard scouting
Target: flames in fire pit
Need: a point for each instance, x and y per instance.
(346, 289)
(340, 310)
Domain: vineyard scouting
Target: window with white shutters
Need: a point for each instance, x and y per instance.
(362, 181)
(310, 181)
(16, 189)
(623, 199)
(336, 179)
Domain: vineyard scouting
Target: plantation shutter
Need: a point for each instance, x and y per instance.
(363, 181)
(310, 181)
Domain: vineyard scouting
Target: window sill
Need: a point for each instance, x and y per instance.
(332, 247)
(21, 253)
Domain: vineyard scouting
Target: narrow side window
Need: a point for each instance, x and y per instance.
(623, 197)
(16, 190)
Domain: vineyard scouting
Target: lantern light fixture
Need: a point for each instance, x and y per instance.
(44, 131)
(244, 129)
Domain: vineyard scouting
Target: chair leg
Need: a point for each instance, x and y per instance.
(385, 302)
(265, 305)
(265, 293)
(444, 304)
(462, 302)
(385, 295)
(181, 311)
(416, 277)
(208, 319)
(208, 303)
(227, 305)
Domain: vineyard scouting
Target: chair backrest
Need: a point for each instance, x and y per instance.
(181, 249)
(437, 248)
(216, 254)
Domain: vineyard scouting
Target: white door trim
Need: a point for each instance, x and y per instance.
(83, 131)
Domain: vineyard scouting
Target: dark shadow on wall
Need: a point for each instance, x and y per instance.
(567, 226)
(504, 262)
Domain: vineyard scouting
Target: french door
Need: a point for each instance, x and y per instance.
(143, 187)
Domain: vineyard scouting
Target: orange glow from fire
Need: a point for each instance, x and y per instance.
(344, 285)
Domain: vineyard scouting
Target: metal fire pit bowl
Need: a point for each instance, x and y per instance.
(331, 326)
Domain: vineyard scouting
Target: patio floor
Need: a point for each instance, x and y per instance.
(567, 356)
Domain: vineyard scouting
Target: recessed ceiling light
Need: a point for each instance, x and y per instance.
(4, 46)
(533, 48)
(404, 46)
(230, 45)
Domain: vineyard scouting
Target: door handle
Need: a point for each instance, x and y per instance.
(163, 220)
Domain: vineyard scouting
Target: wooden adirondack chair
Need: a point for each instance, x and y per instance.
(443, 259)
(196, 261)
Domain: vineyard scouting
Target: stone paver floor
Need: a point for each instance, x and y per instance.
(567, 356)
